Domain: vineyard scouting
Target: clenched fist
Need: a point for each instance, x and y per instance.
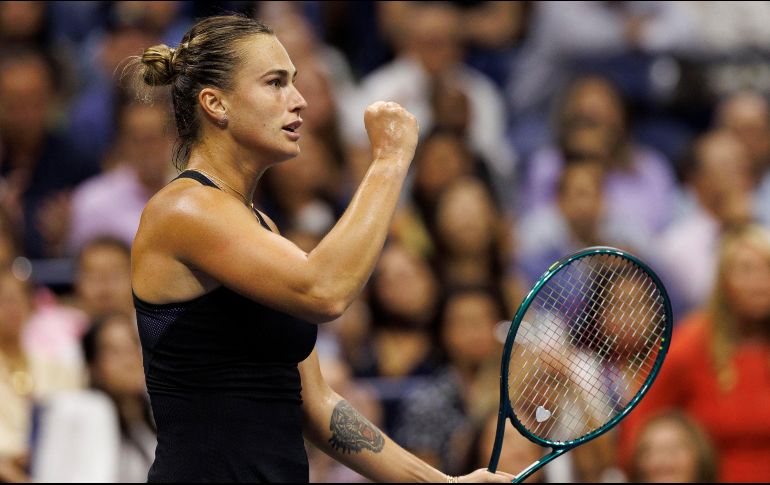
(392, 131)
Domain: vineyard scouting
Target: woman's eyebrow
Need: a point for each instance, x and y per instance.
(283, 73)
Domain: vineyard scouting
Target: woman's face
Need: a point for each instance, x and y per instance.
(440, 162)
(405, 284)
(595, 99)
(747, 283)
(118, 365)
(264, 100)
(103, 282)
(667, 455)
(465, 218)
(468, 328)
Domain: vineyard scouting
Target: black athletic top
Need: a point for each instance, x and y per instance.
(222, 375)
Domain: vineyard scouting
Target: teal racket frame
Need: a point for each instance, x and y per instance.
(558, 448)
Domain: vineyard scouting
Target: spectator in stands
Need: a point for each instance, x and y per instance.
(105, 433)
(578, 218)
(26, 377)
(437, 419)
(403, 299)
(719, 184)
(723, 354)
(432, 47)
(747, 116)
(37, 164)
(102, 278)
(672, 448)
(110, 204)
(24, 23)
(593, 121)
(473, 241)
(92, 114)
(556, 46)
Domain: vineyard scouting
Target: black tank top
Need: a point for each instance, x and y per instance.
(221, 371)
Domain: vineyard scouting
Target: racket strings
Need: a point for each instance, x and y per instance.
(585, 347)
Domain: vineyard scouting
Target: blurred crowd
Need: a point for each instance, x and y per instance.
(545, 127)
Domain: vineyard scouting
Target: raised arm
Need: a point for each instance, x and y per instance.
(211, 231)
(335, 427)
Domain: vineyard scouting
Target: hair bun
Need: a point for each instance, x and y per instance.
(158, 62)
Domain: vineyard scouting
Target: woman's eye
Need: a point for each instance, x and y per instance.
(275, 82)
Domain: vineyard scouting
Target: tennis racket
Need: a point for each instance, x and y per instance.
(582, 350)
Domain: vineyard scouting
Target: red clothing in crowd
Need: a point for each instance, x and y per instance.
(737, 420)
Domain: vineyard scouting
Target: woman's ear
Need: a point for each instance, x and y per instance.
(213, 106)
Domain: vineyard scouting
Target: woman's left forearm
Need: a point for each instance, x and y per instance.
(343, 433)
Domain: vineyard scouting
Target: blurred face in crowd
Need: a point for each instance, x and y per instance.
(103, 283)
(26, 97)
(581, 198)
(152, 15)
(434, 36)
(15, 306)
(314, 85)
(517, 452)
(627, 327)
(746, 278)
(440, 161)
(747, 116)
(117, 365)
(120, 44)
(405, 284)
(587, 139)
(305, 177)
(295, 33)
(722, 176)
(666, 453)
(468, 328)
(466, 218)
(146, 143)
(21, 20)
(594, 99)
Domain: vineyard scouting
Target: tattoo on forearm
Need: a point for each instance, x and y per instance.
(352, 432)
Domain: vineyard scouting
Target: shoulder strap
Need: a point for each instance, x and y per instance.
(195, 175)
(192, 174)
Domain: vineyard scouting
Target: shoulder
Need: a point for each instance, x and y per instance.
(187, 201)
(185, 213)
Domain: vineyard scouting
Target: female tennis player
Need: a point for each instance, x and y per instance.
(227, 308)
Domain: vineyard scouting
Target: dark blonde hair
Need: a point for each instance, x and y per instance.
(207, 56)
(706, 459)
(722, 316)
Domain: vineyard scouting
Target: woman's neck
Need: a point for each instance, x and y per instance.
(235, 175)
